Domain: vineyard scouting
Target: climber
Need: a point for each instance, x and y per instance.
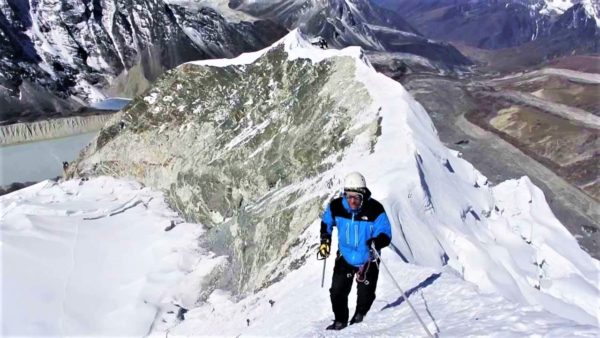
(360, 221)
(320, 42)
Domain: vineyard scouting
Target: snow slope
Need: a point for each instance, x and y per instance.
(94, 258)
(474, 259)
(447, 304)
(91, 258)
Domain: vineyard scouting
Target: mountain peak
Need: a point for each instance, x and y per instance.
(558, 7)
(296, 44)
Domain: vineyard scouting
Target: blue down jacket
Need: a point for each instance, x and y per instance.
(356, 227)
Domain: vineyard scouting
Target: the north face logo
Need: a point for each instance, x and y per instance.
(365, 218)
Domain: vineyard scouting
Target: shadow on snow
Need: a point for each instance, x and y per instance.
(428, 281)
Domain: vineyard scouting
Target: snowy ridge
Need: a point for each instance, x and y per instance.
(295, 46)
(450, 204)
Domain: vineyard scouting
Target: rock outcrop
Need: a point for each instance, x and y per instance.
(230, 143)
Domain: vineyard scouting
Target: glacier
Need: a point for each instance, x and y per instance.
(247, 151)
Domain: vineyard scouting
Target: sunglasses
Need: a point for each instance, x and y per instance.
(353, 196)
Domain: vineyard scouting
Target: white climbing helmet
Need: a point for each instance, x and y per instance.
(355, 182)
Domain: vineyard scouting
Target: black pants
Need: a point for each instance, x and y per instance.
(341, 284)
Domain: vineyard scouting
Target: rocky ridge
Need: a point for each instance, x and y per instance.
(228, 143)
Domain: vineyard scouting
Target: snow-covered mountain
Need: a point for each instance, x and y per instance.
(58, 55)
(251, 149)
(361, 23)
(558, 7)
(506, 23)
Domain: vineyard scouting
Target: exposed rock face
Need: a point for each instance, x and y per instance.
(230, 144)
(354, 23)
(74, 52)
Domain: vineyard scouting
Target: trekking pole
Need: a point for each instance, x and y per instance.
(401, 291)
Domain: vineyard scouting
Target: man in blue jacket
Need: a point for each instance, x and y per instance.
(360, 221)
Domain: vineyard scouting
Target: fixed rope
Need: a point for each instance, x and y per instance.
(401, 291)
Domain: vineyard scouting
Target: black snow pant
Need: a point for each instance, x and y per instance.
(341, 284)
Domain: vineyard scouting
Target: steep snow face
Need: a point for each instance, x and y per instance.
(254, 146)
(593, 9)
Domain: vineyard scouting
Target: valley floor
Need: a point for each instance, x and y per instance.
(447, 101)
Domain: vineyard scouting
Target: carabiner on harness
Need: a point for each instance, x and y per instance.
(361, 274)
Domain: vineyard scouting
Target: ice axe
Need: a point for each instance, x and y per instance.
(324, 259)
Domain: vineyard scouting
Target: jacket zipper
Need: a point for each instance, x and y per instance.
(355, 233)
(348, 234)
(353, 251)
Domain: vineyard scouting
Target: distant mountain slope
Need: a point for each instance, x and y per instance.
(573, 25)
(58, 55)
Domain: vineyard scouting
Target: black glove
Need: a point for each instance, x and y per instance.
(381, 241)
(325, 247)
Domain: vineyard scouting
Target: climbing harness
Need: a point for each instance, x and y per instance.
(361, 274)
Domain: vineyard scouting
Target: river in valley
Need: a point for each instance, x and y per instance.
(36, 161)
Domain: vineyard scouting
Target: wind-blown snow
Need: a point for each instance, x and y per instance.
(483, 260)
(93, 257)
